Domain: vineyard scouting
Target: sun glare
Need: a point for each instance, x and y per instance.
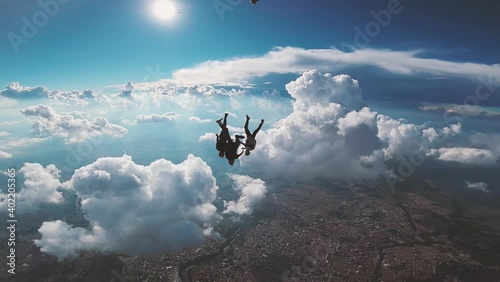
(164, 9)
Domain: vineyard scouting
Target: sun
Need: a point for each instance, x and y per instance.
(164, 9)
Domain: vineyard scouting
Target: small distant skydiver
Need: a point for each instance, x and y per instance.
(231, 146)
(254, 2)
(251, 141)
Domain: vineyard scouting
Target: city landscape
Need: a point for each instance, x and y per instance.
(339, 232)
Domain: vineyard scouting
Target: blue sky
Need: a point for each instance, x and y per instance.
(106, 101)
(92, 44)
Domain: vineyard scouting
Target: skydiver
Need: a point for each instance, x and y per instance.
(221, 138)
(251, 141)
(254, 2)
(231, 146)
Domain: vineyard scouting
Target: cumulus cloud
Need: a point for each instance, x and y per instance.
(329, 134)
(67, 126)
(209, 136)
(73, 95)
(16, 91)
(136, 209)
(333, 134)
(199, 120)
(40, 187)
(253, 191)
(470, 156)
(127, 89)
(286, 60)
(44, 111)
(481, 186)
(170, 116)
(401, 138)
(4, 133)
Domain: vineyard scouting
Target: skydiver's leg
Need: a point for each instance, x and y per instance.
(247, 132)
(258, 128)
(221, 125)
(225, 119)
(225, 134)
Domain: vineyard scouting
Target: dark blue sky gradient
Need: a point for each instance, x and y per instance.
(91, 44)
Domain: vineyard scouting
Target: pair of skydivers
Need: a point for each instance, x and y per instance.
(226, 146)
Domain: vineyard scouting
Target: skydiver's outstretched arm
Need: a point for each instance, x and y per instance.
(258, 128)
(225, 119)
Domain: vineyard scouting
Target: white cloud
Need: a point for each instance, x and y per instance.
(481, 186)
(461, 111)
(4, 133)
(470, 156)
(209, 136)
(79, 97)
(297, 60)
(40, 187)
(354, 119)
(15, 122)
(253, 191)
(127, 89)
(16, 91)
(170, 116)
(41, 110)
(199, 120)
(5, 155)
(65, 125)
(332, 134)
(328, 135)
(22, 142)
(402, 138)
(136, 209)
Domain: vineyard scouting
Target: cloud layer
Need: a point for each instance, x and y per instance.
(252, 193)
(286, 60)
(69, 127)
(40, 187)
(136, 209)
(329, 134)
(332, 134)
(16, 91)
(155, 118)
(472, 156)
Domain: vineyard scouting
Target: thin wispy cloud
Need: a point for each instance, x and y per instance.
(294, 60)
